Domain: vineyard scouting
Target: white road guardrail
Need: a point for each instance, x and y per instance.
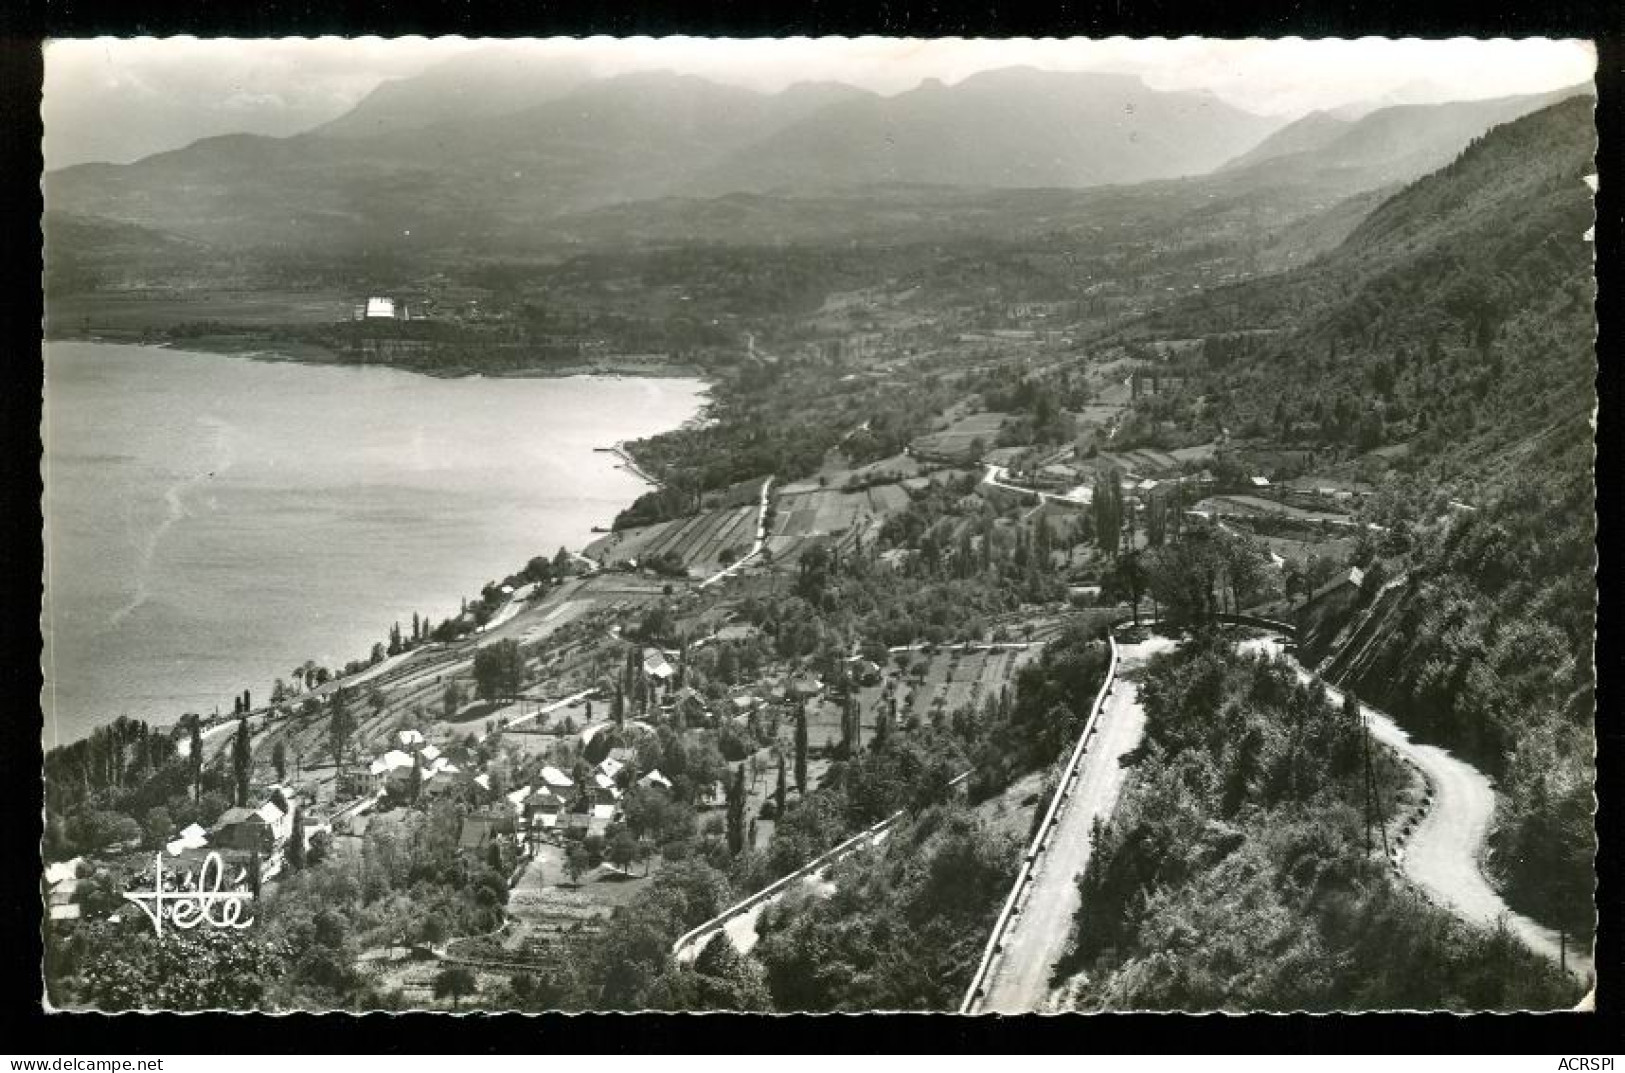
(1069, 775)
(812, 867)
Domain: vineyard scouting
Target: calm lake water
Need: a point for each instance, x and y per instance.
(213, 522)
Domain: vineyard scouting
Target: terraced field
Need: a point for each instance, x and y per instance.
(832, 511)
(697, 541)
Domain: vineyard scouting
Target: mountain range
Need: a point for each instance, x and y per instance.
(485, 148)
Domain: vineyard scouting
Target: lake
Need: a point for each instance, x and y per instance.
(214, 521)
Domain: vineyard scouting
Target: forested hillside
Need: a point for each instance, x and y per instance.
(1234, 875)
(1454, 333)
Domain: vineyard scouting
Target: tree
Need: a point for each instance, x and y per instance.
(279, 760)
(194, 758)
(801, 751)
(1106, 509)
(499, 670)
(157, 826)
(623, 849)
(883, 723)
(451, 699)
(296, 840)
(195, 970)
(736, 811)
(414, 781)
(779, 792)
(340, 728)
(242, 762)
(576, 862)
(432, 930)
(851, 725)
(455, 982)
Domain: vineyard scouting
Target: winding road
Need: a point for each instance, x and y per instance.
(1442, 856)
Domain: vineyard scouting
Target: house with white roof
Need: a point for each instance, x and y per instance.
(605, 796)
(656, 665)
(60, 870)
(655, 778)
(61, 899)
(611, 767)
(193, 836)
(279, 821)
(441, 777)
(557, 780)
(545, 807)
(389, 767)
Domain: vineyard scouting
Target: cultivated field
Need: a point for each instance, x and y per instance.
(697, 541)
(953, 679)
(955, 440)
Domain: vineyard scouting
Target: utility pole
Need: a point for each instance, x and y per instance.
(1365, 739)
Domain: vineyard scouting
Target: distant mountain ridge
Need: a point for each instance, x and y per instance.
(1393, 144)
(461, 151)
(483, 150)
(491, 81)
(1010, 128)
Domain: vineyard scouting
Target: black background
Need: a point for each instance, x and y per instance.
(26, 1029)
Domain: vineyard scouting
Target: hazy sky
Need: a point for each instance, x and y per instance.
(118, 100)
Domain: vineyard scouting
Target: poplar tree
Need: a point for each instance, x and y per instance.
(296, 840)
(801, 751)
(242, 764)
(736, 812)
(194, 758)
(779, 793)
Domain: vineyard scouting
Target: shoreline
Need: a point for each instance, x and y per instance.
(620, 449)
(237, 346)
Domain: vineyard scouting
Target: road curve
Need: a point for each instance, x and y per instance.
(1037, 937)
(1442, 856)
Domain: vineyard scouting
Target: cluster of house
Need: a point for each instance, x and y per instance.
(392, 773)
(556, 807)
(553, 805)
(237, 835)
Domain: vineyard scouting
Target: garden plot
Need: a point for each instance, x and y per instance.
(955, 441)
(951, 679)
(831, 511)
